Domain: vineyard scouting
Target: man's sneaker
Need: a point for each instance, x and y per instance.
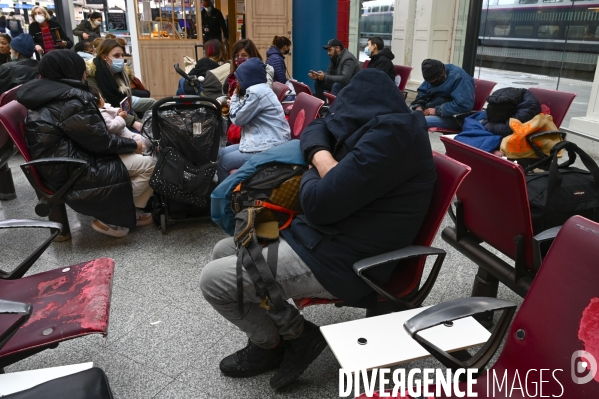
(251, 360)
(143, 218)
(299, 353)
(109, 229)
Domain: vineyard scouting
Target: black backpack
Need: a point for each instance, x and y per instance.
(563, 191)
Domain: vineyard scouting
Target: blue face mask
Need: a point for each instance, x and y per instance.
(367, 51)
(117, 65)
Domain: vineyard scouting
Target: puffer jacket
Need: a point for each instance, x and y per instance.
(86, 27)
(276, 59)
(259, 112)
(346, 67)
(64, 121)
(16, 73)
(375, 199)
(528, 107)
(383, 60)
(454, 96)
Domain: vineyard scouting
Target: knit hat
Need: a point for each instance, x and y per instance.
(23, 44)
(432, 69)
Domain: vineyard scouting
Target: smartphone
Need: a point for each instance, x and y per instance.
(126, 105)
(312, 72)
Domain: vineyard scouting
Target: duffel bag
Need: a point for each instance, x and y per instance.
(563, 191)
(178, 179)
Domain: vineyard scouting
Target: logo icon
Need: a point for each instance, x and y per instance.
(583, 362)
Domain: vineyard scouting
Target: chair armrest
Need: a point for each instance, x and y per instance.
(79, 163)
(55, 229)
(535, 148)
(11, 307)
(395, 256)
(538, 240)
(456, 309)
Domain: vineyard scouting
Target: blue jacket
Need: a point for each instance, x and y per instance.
(276, 59)
(454, 96)
(474, 134)
(259, 112)
(375, 199)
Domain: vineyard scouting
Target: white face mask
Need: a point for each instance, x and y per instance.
(97, 22)
(40, 19)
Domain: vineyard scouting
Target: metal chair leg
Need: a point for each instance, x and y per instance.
(59, 214)
(7, 186)
(485, 285)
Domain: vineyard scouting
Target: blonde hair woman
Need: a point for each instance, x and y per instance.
(47, 34)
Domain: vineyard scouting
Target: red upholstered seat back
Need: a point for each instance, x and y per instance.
(67, 303)
(404, 73)
(300, 87)
(558, 102)
(365, 64)
(280, 90)
(450, 175)
(482, 90)
(330, 97)
(495, 199)
(9, 96)
(305, 110)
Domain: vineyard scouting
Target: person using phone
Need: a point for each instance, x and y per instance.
(47, 35)
(343, 67)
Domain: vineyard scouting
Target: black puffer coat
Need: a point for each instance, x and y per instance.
(383, 60)
(525, 107)
(375, 199)
(64, 121)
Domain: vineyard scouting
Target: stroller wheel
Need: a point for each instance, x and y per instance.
(163, 223)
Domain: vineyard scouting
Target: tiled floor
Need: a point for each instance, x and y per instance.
(164, 340)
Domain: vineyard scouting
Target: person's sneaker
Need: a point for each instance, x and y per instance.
(251, 361)
(299, 353)
(109, 229)
(143, 218)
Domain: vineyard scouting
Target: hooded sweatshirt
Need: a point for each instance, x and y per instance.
(383, 60)
(375, 199)
(257, 111)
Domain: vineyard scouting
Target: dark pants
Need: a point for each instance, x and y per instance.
(320, 87)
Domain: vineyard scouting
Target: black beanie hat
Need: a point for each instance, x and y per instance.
(432, 69)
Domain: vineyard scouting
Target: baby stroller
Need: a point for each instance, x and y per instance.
(186, 133)
(190, 84)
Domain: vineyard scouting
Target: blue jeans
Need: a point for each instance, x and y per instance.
(230, 158)
(320, 87)
(446, 123)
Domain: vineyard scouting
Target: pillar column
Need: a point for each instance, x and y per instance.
(402, 36)
(584, 131)
(132, 27)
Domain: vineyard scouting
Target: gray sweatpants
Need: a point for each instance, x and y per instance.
(264, 328)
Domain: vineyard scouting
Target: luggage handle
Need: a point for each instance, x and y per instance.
(535, 148)
(555, 178)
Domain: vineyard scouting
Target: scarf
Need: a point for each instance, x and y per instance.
(62, 65)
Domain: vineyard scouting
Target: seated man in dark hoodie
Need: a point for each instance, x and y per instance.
(354, 189)
(507, 103)
(22, 68)
(381, 57)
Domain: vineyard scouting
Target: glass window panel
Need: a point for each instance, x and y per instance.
(552, 1)
(578, 32)
(529, 1)
(501, 30)
(376, 20)
(523, 30)
(548, 31)
(505, 2)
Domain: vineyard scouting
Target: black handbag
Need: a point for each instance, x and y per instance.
(88, 384)
(178, 179)
(563, 191)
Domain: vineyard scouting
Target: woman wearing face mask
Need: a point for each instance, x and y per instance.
(242, 50)
(4, 48)
(108, 71)
(275, 57)
(63, 120)
(47, 35)
(88, 30)
(22, 68)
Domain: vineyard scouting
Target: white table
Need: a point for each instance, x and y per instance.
(22, 380)
(388, 343)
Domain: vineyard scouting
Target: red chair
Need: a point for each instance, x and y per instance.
(555, 329)
(558, 102)
(404, 73)
(7, 150)
(401, 291)
(305, 110)
(499, 215)
(39, 311)
(365, 64)
(300, 87)
(330, 97)
(482, 90)
(280, 90)
(51, 202)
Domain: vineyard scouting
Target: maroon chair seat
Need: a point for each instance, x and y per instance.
(51, 203)
(404, 74)
(305, 110)
(300, 87)
(557, 320)
(330, 97)
(407, 275)
(280, 90)
(482, 90)
(558, 102)
(8, 96)
(7, 150)
(492, 207)
(365, 64)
